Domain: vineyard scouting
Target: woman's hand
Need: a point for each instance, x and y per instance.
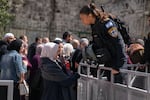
(76, 65)
(22, 77)
(114, 71)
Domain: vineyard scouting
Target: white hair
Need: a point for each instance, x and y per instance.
(85, 41)
(8, 35)
(67, 49)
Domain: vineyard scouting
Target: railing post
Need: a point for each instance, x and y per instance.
(98, 71)
(146, 69)
(79, 69)
(148, 87)
(128, 84)
(112, 81)
(88, 87)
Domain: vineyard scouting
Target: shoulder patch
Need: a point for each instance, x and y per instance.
(109, 24)
(113, 32)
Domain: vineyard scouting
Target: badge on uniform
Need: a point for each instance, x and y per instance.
(109, 24)
(113, 32)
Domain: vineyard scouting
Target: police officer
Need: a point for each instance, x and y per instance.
(105, 35)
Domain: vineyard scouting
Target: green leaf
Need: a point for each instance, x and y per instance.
(5, 16)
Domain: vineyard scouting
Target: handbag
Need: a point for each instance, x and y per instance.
(24, 88)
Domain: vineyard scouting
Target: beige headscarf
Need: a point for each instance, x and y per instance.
(50, 50)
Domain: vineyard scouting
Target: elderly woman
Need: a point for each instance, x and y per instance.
(56, 82)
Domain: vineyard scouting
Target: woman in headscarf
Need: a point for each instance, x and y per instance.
(56, 82)
(35, 75)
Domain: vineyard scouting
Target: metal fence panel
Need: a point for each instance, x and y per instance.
(120, 93)
(82, 89)
(92, 88)
(125, 93)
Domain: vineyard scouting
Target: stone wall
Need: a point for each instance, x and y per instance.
(53, 17)
(133, 12)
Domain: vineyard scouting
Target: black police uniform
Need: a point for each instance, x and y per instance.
(105, 34)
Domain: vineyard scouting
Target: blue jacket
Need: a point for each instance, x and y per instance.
(11, 66)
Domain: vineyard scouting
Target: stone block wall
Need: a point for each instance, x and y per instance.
(53, 17)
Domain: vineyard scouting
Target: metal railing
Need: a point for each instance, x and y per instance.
(8, 86)
(97, 88)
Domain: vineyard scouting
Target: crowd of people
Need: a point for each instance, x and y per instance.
(50, 66)
(45, 65)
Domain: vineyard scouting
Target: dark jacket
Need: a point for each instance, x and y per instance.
(31, 51)
(76, 58)
(3, 48)
(147, 50)
(103, 34)
(56, 83)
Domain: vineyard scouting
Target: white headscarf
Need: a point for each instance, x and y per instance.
(50, 50)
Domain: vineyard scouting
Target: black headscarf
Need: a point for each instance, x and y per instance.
(15, 45)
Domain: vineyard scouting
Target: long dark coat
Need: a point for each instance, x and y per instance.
(57, 84)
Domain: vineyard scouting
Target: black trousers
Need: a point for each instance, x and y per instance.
(16, 94)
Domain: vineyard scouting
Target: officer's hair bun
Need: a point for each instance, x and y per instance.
(92, 6)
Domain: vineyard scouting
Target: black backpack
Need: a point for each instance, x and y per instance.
(122, 28)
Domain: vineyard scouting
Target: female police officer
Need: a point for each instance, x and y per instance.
(105, 35)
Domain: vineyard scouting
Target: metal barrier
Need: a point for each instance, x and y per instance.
(97, 88)
(6, 89)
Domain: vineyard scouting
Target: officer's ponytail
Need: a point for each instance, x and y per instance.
(95, 10)
(92, 9)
